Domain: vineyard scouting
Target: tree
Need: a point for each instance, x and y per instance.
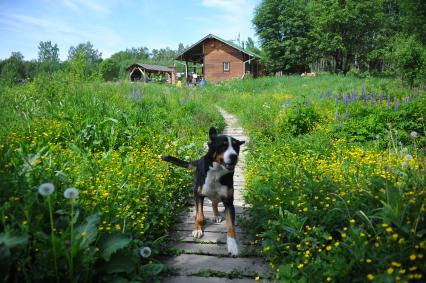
(86, 57)
(48, 52)
(48, 57)
(250, 46)
(345, 30)
(109, 69)
(13, 69)
(410, 59)
(283, 27)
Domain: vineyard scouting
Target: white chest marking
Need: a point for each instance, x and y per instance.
(212, 188)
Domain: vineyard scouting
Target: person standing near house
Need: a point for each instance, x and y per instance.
(194, 78)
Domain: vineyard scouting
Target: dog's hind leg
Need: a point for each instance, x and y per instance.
(199, 217)
(231, 241)
(217, 218)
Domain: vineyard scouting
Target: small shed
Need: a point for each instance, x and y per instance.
(221, 59)
(141, 71)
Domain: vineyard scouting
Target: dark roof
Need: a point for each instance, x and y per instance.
(151, 67)
(230, 43)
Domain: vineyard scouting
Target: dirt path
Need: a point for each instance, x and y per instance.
(206, 259)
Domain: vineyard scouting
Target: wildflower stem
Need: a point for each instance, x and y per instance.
(71, 241)
(52, 237)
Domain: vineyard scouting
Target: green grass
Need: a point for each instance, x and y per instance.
(331, 199)
(93, 137)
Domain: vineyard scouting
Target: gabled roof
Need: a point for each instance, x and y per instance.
(150, 67)
(230, 43)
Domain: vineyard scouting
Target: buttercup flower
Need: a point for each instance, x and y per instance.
(71, 193)
(145, 252)
(46, 189)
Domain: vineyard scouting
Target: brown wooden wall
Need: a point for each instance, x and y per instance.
(215, 53)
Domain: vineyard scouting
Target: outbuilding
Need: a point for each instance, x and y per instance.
(220, 59)
(148, 72)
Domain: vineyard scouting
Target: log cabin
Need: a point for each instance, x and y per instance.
(221, 59)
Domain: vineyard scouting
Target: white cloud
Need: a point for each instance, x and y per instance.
(234, 18)
(80, 6)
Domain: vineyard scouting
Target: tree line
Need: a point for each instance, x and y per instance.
(341, 36)
(84, 61)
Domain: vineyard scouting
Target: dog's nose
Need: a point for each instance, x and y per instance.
(233, 158)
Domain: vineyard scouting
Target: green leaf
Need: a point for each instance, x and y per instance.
(86, 233)
(112, 244)
(12, 241)
(152, 269)
(120, 263)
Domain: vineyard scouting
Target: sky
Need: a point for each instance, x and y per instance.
(112, 26)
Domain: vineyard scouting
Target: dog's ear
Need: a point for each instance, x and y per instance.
(241, 142)
(212, 134)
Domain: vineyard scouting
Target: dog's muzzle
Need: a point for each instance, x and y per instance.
(229, 166)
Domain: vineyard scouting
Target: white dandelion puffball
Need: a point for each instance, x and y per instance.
(71, 193)
(414, 134)
(145, 252)
(408, 157)
(46, 189)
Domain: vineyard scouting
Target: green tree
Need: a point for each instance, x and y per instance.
(251, 46)
(283, 27)
(409, 56)
(346, 30)
(13, 69)
(86, 56)
(109, 69)
(48, 57)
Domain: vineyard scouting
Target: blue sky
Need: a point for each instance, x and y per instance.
(116, 25)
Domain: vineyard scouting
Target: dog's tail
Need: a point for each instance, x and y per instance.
(179, 162)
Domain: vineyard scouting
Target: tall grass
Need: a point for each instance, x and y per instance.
(103, 139)
(335, 185)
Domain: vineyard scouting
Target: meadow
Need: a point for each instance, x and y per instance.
(101, 142)
(335, 176)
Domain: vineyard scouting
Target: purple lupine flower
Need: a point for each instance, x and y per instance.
(373, 99)
(381, 99)
(345, 100)
(396, 104)
(353, 96)
(388, 102)
(337, 117)
(136, 95)
(363, 90)
(337, 101)
(347, 115)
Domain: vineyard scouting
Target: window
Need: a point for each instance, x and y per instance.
(226, 66)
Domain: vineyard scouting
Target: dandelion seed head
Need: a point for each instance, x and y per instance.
(414, 134)
(71, 193)
(145, 252)
(46, 189)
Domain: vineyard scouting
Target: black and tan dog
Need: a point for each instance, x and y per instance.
(214, 178)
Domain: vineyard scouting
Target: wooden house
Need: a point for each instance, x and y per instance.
(221, 59)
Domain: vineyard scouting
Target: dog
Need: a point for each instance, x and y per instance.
(214, 179)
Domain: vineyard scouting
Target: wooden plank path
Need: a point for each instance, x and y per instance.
(206, 260)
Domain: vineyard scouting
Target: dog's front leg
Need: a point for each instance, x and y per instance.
(231, 241)
(199, 217)
(217, 218)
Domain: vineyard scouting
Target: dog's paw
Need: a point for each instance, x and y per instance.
(197, 233)
(232, 246)
(218, 219)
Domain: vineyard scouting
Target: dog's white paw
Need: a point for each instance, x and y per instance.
(197, 233)
(217, 219)
(232, 246)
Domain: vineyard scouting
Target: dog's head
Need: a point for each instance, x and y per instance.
(224, 149)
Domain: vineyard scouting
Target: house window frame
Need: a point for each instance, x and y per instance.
(226, 70)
